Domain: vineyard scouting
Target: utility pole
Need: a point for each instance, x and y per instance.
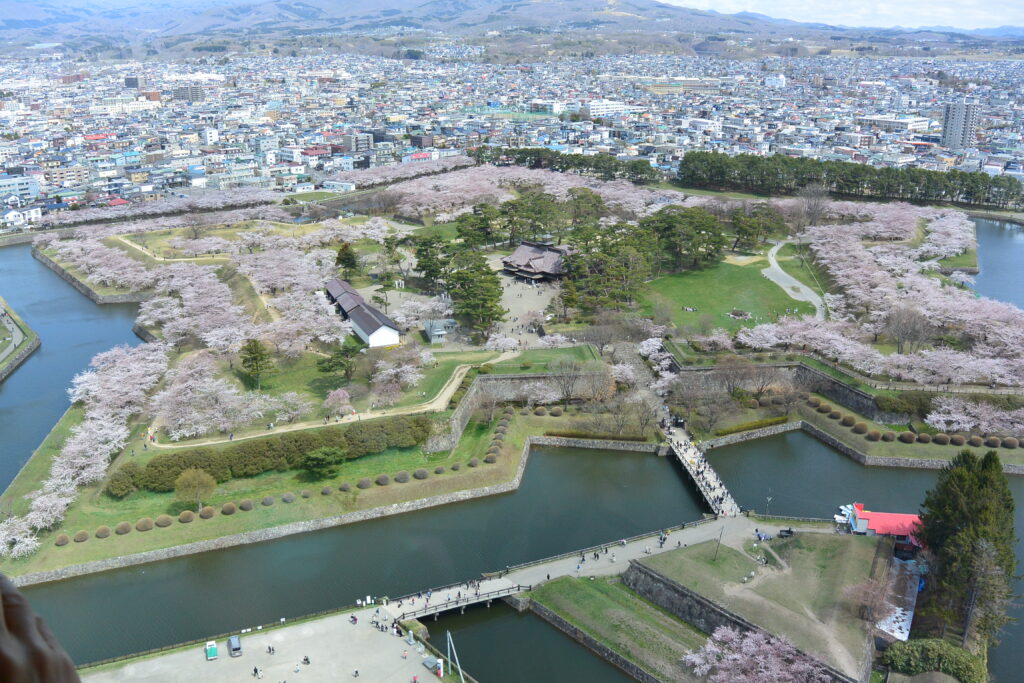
(720, 534)
(768, 501)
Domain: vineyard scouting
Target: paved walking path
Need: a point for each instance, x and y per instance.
(436, 404)
(336, 647)
(17, 335)
(793, 287)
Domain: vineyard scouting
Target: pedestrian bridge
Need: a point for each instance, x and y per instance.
(703, 475)
(457, 596)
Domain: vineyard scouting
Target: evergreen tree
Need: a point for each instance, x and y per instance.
(342, 360)
(347, 260)
(256, 360)
(475, 291)
(429, 260)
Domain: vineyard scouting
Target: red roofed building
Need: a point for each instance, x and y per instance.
(899, 526)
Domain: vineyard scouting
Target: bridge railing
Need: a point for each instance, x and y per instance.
(471, 599)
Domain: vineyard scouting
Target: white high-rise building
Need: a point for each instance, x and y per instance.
(959, 124)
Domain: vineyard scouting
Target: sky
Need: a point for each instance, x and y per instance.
(965, 14)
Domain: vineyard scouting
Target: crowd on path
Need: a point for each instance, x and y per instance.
(707, 480)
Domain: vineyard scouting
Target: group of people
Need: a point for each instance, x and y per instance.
(706, 477)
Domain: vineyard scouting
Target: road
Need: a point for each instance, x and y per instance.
(17, 335)
(793, 287)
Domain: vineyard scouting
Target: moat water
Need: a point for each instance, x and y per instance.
(569, 499)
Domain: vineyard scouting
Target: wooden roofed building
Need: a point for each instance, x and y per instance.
(368, 323)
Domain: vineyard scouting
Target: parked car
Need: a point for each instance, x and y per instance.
(235, 646)
(211, 650)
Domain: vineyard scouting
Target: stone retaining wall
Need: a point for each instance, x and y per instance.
(844, 448)
(144, 334)
(505, 386)
(593, 645)
(19, 358)
(740, 437)
(129, 298)
(600, 444)
(694, 608)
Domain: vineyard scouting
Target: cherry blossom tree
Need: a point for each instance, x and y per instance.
(338, 402)
(501, 343)
(623, 373)
(538, 393)
(734, 656)
(552, 341)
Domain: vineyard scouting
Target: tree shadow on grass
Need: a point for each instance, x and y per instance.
(321, 386)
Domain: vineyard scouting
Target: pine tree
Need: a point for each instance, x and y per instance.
(347, 260)
(256, 360)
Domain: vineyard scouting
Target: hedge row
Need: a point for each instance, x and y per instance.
(283, 452)
(756, 424)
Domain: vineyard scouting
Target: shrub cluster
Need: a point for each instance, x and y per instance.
(941, 439)
(207, 512)
(957, 440)
(61, 540)
(421, 474)
(103, 532)
(924, 437)
(81, 536)
(848, 420)
(283, 452)
(186, 516)
(144, 524)
(860, 428)
(402, 477)
(908, 437)
(382, 480)
(245, 505)
(873, 435)
(228, 509)
(122, 528)
(164, 521)
(918, 656)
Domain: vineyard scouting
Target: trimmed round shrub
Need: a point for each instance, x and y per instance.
(61, 540)
(873, 435)
(941, 439)
(456, 467)
(1010, 442)
(473, 462)
(540, 410)
(305, 493)
(421, 474)
(326, 491)
(490, 458)
(556, 411)
(753, 404)
(526, 365)
(975, 441)
(924, 438)
(889, 436)
(500, 431)
(267, 501)
(144, 524)
(206, 512)
(824, 408)
(402, 477)
(835, 415)
(245, 505)
(438, 470)
(164, 521)
(860, 428)
(493, 448)
(498, 439)
(364, 483)
(186, 516)
(288, 497)
(228, 509)
(345, 488)
(524, 411)
(103, 532)
(993, 442)
(81, 536)
(848, 420)
(382, 480)
(908, 437)
(814, 401)
(486, 369)
(957, 440)
(122, 528)
(503, 423)
(804, 396)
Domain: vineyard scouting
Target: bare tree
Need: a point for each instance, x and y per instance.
(908, 327)
(733, 372)
(871, 598)
(567, 374)
(760, 378)
(814, 202)
(487, 403)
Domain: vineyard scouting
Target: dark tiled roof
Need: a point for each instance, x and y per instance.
(369, 319)
(535, 258)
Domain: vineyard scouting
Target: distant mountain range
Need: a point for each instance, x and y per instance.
(50, 20)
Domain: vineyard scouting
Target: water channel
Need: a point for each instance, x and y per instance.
(569, 499)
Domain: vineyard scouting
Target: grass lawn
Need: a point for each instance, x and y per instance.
(800, 597)
(620, 619)
(313, 196)
(93, 508)
(539, 359)
(803, 270)
(708, 193)
(37, 468)
(435, 378)
(446, 232)
(968, 259)
(715, 292)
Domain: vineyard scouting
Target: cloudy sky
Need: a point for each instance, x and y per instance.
(966, 14)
